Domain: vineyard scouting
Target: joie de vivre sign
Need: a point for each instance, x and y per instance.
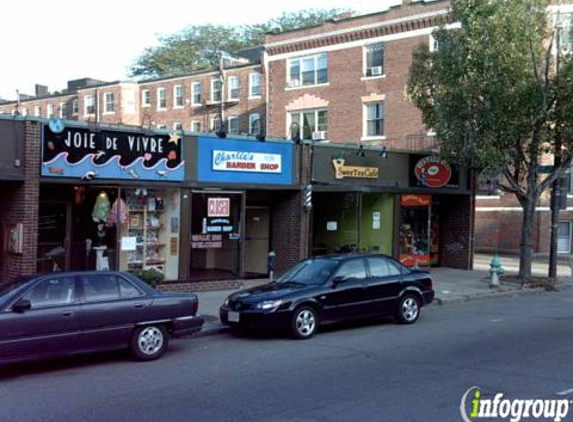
(246, 161)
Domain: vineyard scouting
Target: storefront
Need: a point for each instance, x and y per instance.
(414, 207)
(110, 199)
(243, 186)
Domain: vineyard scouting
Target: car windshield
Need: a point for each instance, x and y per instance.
(310, 272)
(6, 289)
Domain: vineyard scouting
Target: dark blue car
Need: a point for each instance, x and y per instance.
(75, 312)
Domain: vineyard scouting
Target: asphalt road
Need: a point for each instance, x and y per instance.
(369, 371)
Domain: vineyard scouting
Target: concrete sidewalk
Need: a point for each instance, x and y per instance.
(451, 286)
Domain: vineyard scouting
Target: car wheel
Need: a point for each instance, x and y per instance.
(149, 342)
(409, 309)
(304, 322)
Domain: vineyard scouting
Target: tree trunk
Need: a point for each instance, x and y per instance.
(553, 246)
(527, 231)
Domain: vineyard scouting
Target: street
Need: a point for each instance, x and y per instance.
(368, 371)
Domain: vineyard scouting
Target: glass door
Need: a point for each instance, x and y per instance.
(414, 241)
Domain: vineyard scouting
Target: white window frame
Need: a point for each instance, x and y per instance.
(292, 85)
(252, 119)
(91, 99)
(24, 111)
(301, 128)
(178, 97)
(161, 126)
(193, 94)
(433, 44)
(213, 81)
(50, 112)
(75, 107)
(194, 123)
(63, 106)
(365, 75)
(365, 136)
(252, 76)
(177, 126)
(213, 119)
(38, 111)
(159, 94)
(231, 88)
(233, 119)
(145, 98)
(106, 103)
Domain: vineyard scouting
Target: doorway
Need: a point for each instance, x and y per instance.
(257, 229)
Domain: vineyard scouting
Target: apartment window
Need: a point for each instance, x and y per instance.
(305, 71)
(312, 124)
(161, 126)
(374, 119)
(216, 86)
(75, 107)
(89, 105)
(196, 126)
(38, 111)
(178, 96)
(233, 87)
(565, 26)
(145, 98)
(233, 124)
(63, 110)
(254, 123)
(109, 102)
(374, 60)
(50, 110)
(216, 123)
(255, 85)
(177, 126)
(24, 111)
(564, 237)
(196, 93)
(161, 98)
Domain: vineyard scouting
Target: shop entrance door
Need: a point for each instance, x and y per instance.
(257, 228)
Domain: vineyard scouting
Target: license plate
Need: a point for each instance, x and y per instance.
(233, 316)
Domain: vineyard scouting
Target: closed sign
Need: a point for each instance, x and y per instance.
(218, 207)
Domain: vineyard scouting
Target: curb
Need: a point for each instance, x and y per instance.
(485, 296)
(211, 330)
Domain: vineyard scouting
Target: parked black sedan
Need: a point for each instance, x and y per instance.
(328, 289)
(75, 312)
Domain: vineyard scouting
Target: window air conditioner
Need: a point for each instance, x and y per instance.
(319, 135)
(376, 70)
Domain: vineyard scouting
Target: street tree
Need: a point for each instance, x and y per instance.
(197, 47)
(498, 100)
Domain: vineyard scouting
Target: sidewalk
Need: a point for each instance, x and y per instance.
(451, 286)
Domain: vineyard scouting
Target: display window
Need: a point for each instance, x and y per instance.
(415, 243)
(215, 235)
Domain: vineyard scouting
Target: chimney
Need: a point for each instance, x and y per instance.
(41, 91)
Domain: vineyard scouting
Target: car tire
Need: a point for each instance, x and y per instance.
(304, 322)
(149, 342)
(408, 309)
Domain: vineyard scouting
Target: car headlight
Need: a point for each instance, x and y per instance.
(226, 302)
(267, 305)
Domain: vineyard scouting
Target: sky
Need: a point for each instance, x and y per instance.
(51, 42)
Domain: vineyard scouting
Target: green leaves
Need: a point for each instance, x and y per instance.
(197, 47)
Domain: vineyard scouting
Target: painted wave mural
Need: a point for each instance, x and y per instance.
(87, 169)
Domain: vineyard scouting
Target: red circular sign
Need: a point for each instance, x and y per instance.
(433, 172)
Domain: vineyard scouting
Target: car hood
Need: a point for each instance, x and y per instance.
(270, 291)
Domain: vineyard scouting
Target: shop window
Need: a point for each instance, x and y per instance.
(374, 60)
(419, 229)
(308, 71)
(564, 238)
(215, 235)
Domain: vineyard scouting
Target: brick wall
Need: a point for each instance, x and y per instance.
(456, 220)
(21, 206)
(200, 286)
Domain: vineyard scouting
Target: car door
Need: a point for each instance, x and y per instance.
(383, 285)
(111, 306)
(346, 298)
(50, 327)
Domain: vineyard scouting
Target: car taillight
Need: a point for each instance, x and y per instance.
(195, 306)
(428, 283)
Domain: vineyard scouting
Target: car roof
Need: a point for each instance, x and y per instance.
(348, 256)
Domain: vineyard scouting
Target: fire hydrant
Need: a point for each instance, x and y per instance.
(495, 270)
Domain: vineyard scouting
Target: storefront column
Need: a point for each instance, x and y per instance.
(290, 229)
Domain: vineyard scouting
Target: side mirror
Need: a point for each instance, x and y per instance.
(21, 306)
(337, 280)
